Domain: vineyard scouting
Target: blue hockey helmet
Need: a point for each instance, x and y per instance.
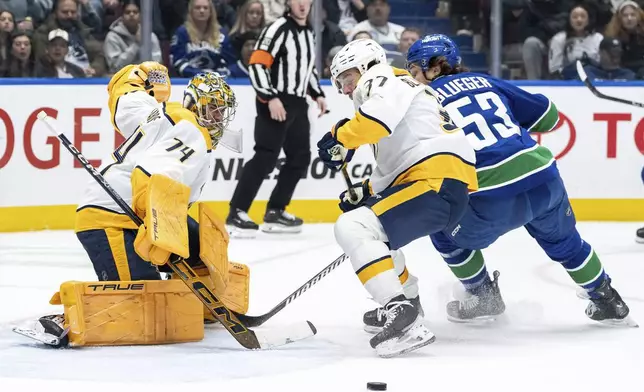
(430, 46)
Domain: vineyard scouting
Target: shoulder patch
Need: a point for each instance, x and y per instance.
(175, 112)
(400, 72)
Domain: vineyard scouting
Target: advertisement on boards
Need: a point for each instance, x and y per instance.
(599, 144)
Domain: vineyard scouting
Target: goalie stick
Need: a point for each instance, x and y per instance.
(246, 337)
(584, 78)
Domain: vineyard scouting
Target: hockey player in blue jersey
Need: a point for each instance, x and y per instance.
(519, 185)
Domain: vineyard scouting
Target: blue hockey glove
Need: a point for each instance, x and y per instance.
(362, 191)
(332, 153)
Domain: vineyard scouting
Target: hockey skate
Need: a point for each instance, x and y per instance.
(480, 305)
(403, 330)
(239, 224)
(49, 330)
(375, 319)
(606, 306)
(280, 221)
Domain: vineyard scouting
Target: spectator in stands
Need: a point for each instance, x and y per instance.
(273, 9)
(610, 59)
(21, 57)
(331, 35)
(123, 42)
(398, 58)
(378, 25)
(250, 17)
(53, 64)
(345, 13)
(84, 51)
(7, 21)
(239, 69)
(6, 27)
(199, 44)
(362, 35)
(86, 12)
(540, 20)
(578, 41)
(20, 9)
(627, 25)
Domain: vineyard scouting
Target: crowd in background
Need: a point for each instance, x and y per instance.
(542, 39)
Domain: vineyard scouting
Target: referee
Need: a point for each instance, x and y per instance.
(282, 72)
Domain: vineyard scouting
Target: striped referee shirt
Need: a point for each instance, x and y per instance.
(284, 61)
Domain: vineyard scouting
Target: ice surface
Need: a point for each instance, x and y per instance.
(544, 342)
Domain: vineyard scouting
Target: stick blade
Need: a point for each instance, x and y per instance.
(272, 338)
(581, 72)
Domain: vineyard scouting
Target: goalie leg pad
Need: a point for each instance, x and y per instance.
(236, 296)
(213, 244)
(130, 312)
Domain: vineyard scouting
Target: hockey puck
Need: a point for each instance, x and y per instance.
(376, 386)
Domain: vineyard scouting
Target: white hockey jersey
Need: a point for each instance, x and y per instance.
(410, 133)
(167, 141)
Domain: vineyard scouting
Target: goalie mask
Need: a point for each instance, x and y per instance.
(213, 102)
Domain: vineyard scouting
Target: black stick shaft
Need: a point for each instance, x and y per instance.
(100, 179)
(347, 180)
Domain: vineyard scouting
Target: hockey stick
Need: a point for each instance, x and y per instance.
(584, 78)
(255, 321)
(347, 180)
(246, 337)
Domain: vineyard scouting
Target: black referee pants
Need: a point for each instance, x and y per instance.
(293, 135)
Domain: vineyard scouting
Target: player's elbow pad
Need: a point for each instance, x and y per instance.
(456, 194)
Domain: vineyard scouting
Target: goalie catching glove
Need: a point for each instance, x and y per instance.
(149, 76)
(331, 151)
(362, 191)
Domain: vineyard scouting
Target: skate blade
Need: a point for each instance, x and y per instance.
(582, 294)
(481, 320)
(627, 322)
(236, 232)
(416, 337)
(276, 228)
(372, 330)
(39, 336)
